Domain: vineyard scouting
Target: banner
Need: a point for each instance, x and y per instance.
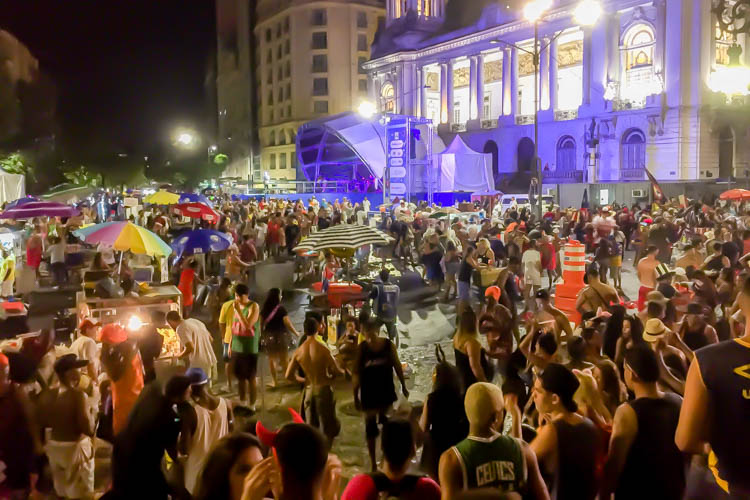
(659, 196)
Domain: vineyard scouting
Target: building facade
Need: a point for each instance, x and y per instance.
(309, 58)
(629, 93)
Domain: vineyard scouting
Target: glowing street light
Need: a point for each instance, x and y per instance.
(731, 80)
(185, 138)
(536, 9)
(587, 13)
(367, 109)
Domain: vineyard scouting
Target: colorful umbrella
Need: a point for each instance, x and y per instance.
(21, 201)
(200, 241)
(162, 197)
(32, 209)
(124, 236)
(197, 211)
(195, 198)
(735, 195)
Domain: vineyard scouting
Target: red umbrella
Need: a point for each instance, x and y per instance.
(735, 195)
(197, 210)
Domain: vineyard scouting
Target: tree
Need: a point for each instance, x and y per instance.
(82, 176)
(16, 163)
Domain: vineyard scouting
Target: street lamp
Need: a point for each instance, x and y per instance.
(185, 138)
(586, 13)
(367, 109)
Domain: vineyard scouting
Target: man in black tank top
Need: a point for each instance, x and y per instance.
(643, 460)
(716, 409)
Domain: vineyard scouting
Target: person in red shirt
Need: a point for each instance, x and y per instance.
(393, 481)
(272, 235)
(186, 285)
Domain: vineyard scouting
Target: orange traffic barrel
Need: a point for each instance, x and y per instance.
(574, 263)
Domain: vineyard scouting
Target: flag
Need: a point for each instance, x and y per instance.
(659, 196)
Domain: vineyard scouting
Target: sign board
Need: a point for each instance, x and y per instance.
(397, 155)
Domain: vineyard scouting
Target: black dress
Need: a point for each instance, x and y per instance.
(447, 426)
(375, 370)
(276, 337)
(464, 368)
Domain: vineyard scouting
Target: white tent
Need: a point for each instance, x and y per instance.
(463, 169)
(12, 186)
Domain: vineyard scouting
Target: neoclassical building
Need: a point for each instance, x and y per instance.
(627, 94)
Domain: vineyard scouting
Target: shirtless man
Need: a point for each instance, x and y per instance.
(647, 274)
(320, 370)
(596, 294)
(66, 410)
(551, 319)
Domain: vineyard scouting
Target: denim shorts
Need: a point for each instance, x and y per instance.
(225, 351)
(463, 290)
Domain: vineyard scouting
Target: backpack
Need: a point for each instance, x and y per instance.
(388, 490)
(386, 301)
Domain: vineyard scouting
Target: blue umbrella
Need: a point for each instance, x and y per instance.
(21, 201)
(194, 198)
(200, 241)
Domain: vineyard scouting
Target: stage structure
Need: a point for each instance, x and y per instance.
(409, 168)
(363, 151)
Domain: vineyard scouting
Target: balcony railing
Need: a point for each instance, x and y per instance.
(525, 120)
(563, 176)
(567, 114)
(633, 174)
(458, 127)
(489, 124)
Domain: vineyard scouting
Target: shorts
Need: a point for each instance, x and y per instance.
(463, 290)
(642, 293)
(533, 279)
(225, 351)
(320, 409)
(615, 261)
(245, 366)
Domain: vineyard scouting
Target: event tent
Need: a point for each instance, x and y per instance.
(463, 169)
(12, 186)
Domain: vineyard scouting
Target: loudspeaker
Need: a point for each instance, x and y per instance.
(52, 300)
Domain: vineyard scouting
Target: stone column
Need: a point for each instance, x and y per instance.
(480, 89)
(544, 63)
(472, 87)
(505, 82)
(449, 90)
(553, 76)
(443, 93)
(513, 82)
(586, 73)
(420, 98)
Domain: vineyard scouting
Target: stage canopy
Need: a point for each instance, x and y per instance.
(463, 169)
(346, 146)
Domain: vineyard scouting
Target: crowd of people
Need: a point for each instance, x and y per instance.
(632, 397)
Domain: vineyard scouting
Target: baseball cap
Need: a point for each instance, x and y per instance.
(542, 294)
(68, 362)
(196, 375)
(493, 291)
(88, 323)
(113, 334)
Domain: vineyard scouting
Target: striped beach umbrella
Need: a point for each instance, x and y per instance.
(344, 236)
(124, 236)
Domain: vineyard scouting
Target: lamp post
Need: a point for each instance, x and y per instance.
(586, 13)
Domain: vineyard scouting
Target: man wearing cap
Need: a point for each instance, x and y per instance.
(85, 347)
(206, 421)
(646, 270)
(70, 450)
(642, 449)
(122, 364)
(716, 409)
(487, 460)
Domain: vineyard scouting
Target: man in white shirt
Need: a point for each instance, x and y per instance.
(196, 341)
(532, 274)
(85, 347)
(56, 253)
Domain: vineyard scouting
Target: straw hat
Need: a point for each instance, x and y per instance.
(654, 330)
(656, 296)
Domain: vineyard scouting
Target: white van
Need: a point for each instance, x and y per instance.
(522, 201)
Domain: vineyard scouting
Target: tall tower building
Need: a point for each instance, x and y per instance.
(308, 63)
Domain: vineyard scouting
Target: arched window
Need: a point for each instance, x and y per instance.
(388, 96)
(566, 154)
(639, 44)
(633, 163)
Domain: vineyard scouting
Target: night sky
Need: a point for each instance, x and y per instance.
(126, 71)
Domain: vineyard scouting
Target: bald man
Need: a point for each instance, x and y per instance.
(487, 460)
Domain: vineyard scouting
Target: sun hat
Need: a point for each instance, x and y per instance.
(654, 330)
(656, 296)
